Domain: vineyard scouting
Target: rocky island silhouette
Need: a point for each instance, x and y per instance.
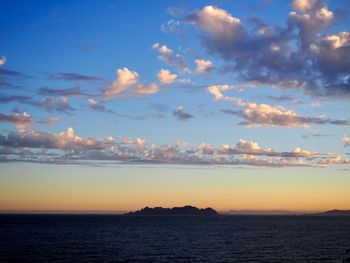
(187, 210)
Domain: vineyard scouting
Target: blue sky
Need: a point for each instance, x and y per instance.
(262, 85)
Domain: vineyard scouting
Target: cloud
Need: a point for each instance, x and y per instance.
(346, 140)
(335, 159)
(69, 92)
(217, 22)
(203, 66)
(253, 148)
(217, 90)
(168, 56)
(166, 77)
(7, 73)
(313, 16)
(50, 104)
(129, 83)
(283, 99)
(73, 77)
(173, 26)
(297, 55)
(258, 115)
(18, 98)
(67, 147)
(49, 121)
(60, 105)
(2, 60)
(97, 106)
(22, 122)
(181, 114)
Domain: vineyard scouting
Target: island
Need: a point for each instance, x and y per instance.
(334, 212)
(175, 211)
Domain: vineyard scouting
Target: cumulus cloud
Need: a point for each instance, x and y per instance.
(22, 122)
(125, 78)
(312, 17)
(67, 147)
(128, 82)
(203, 66)
(169, 57)
(297, 55)
(166, 77)
(181, 114)
(2, 60)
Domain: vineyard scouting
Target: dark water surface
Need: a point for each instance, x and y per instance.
(115, 238)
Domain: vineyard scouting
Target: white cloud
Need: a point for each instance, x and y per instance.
(203, 66)
(166, 77)
(128, 83)
(216, 21)
(125, 78)
(216, 91)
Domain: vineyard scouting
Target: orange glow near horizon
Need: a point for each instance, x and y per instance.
(125, 189)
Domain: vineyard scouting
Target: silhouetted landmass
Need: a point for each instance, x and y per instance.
(334, 212)
(175, 211)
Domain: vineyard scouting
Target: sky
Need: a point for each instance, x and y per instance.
(117, 105)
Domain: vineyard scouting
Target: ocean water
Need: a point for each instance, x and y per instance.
(116, 238)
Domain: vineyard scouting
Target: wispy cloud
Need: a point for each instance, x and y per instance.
(49, 121)
(171, 58)
(98, 106)
(68, 92)
(73, 77)
(182, 115)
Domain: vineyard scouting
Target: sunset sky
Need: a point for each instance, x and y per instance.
(117, 105)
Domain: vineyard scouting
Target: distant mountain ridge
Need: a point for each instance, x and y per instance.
(185, 210)
(334, 212)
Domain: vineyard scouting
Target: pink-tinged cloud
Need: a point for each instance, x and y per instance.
(128, 83)
(22, 122)
(67, 147)
(166, 77)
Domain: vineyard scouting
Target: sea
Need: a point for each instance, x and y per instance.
(118, 238)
